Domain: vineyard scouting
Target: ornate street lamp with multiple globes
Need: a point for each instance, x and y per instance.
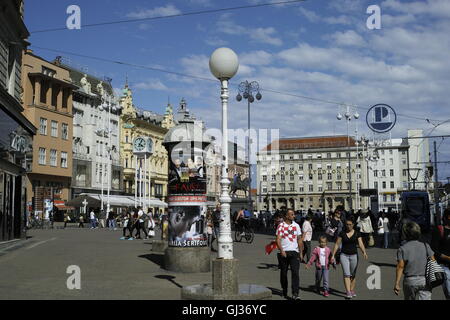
(249, 91)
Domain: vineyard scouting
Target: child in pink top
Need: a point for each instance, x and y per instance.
(321, 255)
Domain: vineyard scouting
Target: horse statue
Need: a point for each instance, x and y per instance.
(239, 184)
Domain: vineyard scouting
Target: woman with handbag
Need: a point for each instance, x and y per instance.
(365, 225)
(412, 258)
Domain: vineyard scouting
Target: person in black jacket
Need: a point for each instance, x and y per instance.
(440, 244)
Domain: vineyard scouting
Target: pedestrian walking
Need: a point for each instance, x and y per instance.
(383, 231)
(81, 221)
(350, 239)
(102, 218)
(321, 255)
(127, 226)
(412, 259)
(66, 219)
(335, 226)
(150, 227)
(93, 219)
(289, 242)
(307, 232)
(440, 244)
(365, 228)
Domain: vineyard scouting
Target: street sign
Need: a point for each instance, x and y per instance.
(368, 192)
(381, 118)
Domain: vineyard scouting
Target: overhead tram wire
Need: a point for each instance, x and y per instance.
(182, 14)
(213, 80)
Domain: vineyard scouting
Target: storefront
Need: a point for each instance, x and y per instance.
(15, 143)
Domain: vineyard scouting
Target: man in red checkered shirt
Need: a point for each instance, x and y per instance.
(290, 244)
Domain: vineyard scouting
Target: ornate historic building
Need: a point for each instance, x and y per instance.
(133, 123)
(96, 135)
(48, 105)
(16, 131)
(303, 173)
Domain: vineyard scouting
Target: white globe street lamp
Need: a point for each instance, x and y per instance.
(224, 64)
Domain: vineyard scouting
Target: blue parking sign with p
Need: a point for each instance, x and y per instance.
(381, 118)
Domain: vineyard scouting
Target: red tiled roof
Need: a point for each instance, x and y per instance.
(310, 143)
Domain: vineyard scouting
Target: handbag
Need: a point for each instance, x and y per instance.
(371, 241)
(330, 231)
(151, 233)
(434, 273)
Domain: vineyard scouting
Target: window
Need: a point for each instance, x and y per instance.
(383, 162)
(319, 156)
(310, 177)
(375, 185)
(391, 172)
(53, 157)
(382, 152)
(329, 166)
(43, 126)
(264, 190)
(392, 185)
(329, 185)
(339, 185)
(291, 187)
(319, 176)
(274, 187)
(375, 173)
(282, 157)
(403, 161)
(328, 155)
(390, 152)
(392, 197)
(88, 150)
(282, 177)
(300, 177)
(329, 176)
(300, 167)
(63, 159)
(291, 167)
(282, 168)
(274, 177)
(54, 129)
(384, 198)
(339, 176)
(391, 161)
(291, 157)
(264, 178)
(338, 154)
(301, 189)
(65, 131)
(42, 159)
(310, 166)
(310, 156)
(291, 177)
(282, 187)
(383, 173)
(320, 188)
(384, 184)
(405, 172)
(311, 188)
(403, 152)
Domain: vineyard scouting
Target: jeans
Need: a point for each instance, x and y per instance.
(92, 223)
(446, 284)
(306, 250)
(414, 288)
(386, 240)
(322, 274)
(292, 259)
(349, 264)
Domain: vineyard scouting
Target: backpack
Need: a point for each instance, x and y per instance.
(247, 214)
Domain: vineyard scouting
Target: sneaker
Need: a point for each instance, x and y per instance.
(122, 238)
(353, 294)
(131, 238)
(296, 297)
(326, 294)
(348, 295)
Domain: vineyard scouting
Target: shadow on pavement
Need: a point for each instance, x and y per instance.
(276, 292)
(268, 266)
(168, 278)
(380, 264)
(155, 258)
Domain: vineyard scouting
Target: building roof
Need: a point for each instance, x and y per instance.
(310, 143)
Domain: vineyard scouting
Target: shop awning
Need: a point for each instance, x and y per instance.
(61, 205)
(94, 200)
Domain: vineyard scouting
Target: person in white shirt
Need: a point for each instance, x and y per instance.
(383, 231)
(307, 231)
(92, 218)
(140, 224)
(289, 242)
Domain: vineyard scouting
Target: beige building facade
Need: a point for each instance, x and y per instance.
(139, 123)
(47, 103)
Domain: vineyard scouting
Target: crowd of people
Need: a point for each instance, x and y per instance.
(350, 231)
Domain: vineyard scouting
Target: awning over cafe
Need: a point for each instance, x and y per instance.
(94, 200)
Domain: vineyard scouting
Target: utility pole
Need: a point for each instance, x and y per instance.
(436, 190)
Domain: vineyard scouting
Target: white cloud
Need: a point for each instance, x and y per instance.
(348, 38)
(151, 84)
(155, 12)
(438, 8)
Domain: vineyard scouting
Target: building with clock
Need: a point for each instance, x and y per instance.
(312, 172)
(96, 159)
(135, 122)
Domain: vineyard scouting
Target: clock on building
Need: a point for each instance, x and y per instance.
(139, 145)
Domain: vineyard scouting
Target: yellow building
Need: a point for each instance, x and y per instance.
(138, 123)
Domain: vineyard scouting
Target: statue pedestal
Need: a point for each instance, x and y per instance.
(187, 260)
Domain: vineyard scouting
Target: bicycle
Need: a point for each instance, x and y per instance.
(246, 233)
(36, 224)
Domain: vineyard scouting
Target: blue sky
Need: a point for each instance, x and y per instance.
(317, 48)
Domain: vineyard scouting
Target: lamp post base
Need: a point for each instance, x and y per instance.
(225, 285)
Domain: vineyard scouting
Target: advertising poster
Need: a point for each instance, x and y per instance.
(187, 199)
